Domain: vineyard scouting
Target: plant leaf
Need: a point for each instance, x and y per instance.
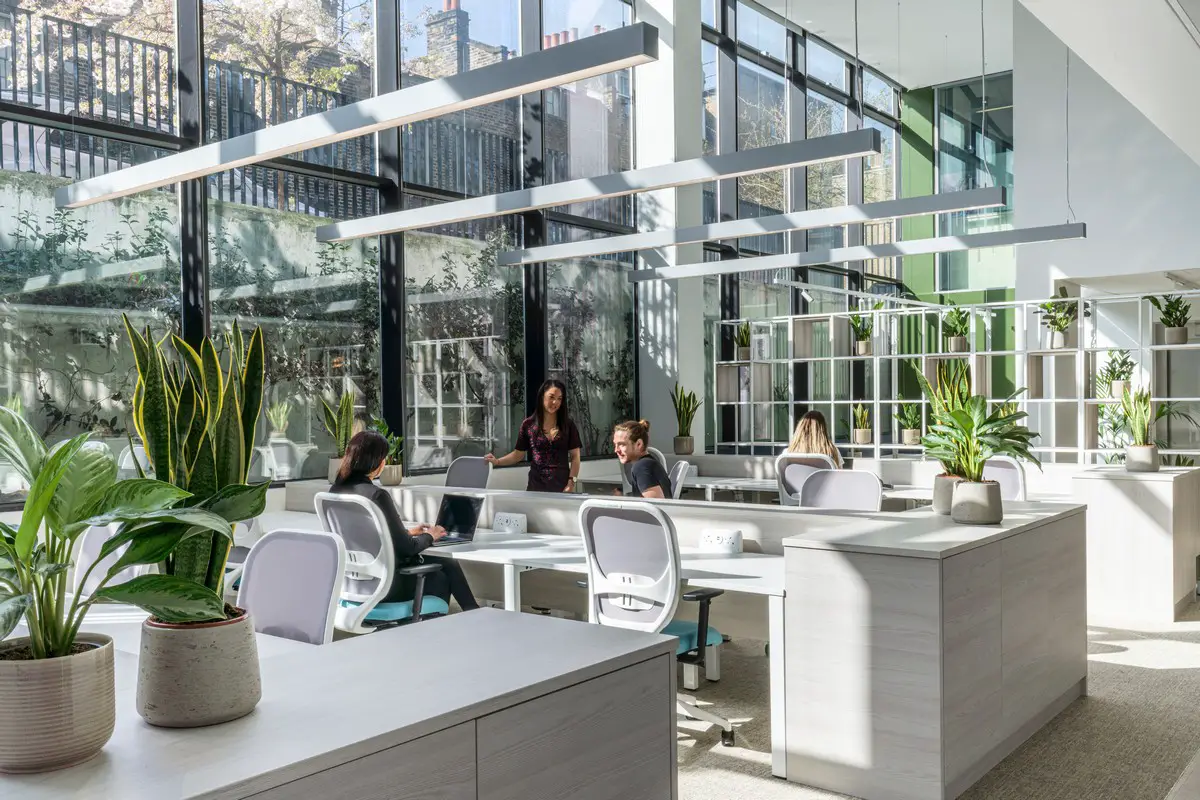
(228, 440)
(12, 608)
(20, 445)
(168, 598)
(153, 544)
(144, 524)
(253, 376)
(156, 418)
(238, 502)
(128, 498)
(90, 474)
(42, 492)
(214, 383)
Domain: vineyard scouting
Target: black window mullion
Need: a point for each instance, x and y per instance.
(393, 339)
(534, 223)
(195, 318)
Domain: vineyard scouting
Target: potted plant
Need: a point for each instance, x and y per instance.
(956, 325)
(742, 340)
(908, 417)
(278, 415)
(686, 406)
(197, 419)
(971, 435)
(1113, 378)
(56, 683)
(1174, 313)
(339, 423)
(1141, 454)
(393, 467)
(951, 393)
(861, 328)
(1058, 316)
(862, 425)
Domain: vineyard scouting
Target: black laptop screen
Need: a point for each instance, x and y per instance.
(459, 514)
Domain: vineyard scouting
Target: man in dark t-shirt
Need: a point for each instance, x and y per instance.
(647, 477)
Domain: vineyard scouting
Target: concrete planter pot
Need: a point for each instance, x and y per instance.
(1141, 458)
(190, 676)
(977, 503)
(1118, 388)
(335, 464)
(862, 435)
(743, 354)
(392, 475)
(862, 347)
(956, 344)
(684, 445)
(1058, 340)
(943, 492)
(910, 436)
(56, 712)
(1175, 335)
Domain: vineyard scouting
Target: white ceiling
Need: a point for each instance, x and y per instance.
(916, 42)
(1140, 283)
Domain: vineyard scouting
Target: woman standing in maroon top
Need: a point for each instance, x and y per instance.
(551, 439)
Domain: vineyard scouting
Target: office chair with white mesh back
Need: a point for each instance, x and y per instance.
(791, 470)
(1007, 472)
(371, 567)
(633, 581)
(842, 489)
(469, 472)
(677, 476)
(292, 582)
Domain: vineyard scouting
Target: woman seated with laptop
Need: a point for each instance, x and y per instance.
(364, 460)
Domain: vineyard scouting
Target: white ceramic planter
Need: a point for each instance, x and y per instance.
(392, 475)
(1175, 335)
(743, 354)
(1058, 340)
(910, 436)
(56, 712)
(956, 344)
(335, 464)
(684, 445)
(190, 676)
(1118, 388)
(943, 493)
(862, 435)
(977, 503)
(1141, 458)
(862, 347)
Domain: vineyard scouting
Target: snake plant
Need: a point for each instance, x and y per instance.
(951, 394)
(686, 406)
(862, 417)
(339, 422)
(908, 415)
(196, 419)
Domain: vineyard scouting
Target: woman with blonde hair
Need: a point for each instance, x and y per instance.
(647, 477)
(812, 436)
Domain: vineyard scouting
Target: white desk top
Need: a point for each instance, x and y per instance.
(1119, 473)
(921, 533)
(702, 482)
(308, 720)
(753, 573)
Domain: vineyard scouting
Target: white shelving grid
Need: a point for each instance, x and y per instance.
(804, 362)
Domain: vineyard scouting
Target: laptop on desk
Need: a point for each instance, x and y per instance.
(459, 515)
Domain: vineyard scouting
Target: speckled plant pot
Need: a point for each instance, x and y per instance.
(335, 464)
(56, 712)
(862, 347)
(684, 445)
(1141, 458)
(1175, 335)
(943, 493)
(392, 475)
(956, 344)
(910, 436)
(862, 435)
(977, 503)
(190, 676)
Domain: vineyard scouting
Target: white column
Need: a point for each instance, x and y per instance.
(667, 122)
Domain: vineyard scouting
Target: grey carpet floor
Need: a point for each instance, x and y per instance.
(1130, 739)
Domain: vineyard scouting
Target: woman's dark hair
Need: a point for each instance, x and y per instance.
(540, 408)
(364, 454)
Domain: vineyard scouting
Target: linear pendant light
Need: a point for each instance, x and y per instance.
(697, 170)
(969, 200)
(585, 58)
(914, 247)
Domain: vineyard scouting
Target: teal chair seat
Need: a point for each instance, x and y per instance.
(397, 612)
(687, 633)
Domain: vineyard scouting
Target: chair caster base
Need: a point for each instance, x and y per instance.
(727, 738)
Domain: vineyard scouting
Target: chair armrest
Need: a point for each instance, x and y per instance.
(419, 569)
(696, 595)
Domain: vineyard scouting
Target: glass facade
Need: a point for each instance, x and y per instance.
(975, 149)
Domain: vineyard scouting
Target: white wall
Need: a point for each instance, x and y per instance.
(1133, 187)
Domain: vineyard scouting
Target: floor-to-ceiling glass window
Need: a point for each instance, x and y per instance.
(975, 149)
(67, 276)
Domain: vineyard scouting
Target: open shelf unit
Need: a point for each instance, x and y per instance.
(811, 361)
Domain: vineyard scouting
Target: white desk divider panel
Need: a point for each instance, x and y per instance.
(920, 652)
(559, 709)
(806, 152)
(1143, 541)
(592, 55)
